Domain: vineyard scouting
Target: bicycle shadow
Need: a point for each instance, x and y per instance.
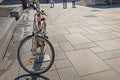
(31, 77)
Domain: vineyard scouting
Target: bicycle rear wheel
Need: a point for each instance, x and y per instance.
(38, 61)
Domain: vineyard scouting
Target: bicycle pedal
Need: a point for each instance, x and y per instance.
(46, 37)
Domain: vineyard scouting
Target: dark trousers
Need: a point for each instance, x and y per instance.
(73, 4)
(65, 5)
(24, 5)
(52, 4)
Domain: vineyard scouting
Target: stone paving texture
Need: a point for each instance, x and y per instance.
(86, 42)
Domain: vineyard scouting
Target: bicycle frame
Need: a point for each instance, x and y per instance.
(40, 53)
(38, 30)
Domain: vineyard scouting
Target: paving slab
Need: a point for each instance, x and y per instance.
(58, 31)
(10, 74)
(64, 63)
(85, 45)
(116, 33)
(56, 38)
(97, 49)
(52, 75)
(59, 53)
(100, 27)
(106, 31)
(68, 74)
(109, 44)
(109, 54)
(86, 62)
(106, 75)
(66, 46)
(76, 38)
(114, 63)
(102, 36)
(75, 30)
(118, 39)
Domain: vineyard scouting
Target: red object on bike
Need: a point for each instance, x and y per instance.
(38, 15)
(39, 23)
(39, 19)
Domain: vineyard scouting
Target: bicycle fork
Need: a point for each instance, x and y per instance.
(34, 45)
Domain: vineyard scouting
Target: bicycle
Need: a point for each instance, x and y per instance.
(35, 53)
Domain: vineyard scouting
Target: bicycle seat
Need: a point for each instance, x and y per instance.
(42, 11)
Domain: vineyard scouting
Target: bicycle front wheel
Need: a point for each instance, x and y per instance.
(35, 61)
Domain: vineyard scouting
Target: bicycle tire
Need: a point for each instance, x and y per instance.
(19, 55)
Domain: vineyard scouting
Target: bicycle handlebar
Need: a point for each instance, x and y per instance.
(42, 11)
(33, 7)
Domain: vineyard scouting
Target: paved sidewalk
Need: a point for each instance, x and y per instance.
(86, 42)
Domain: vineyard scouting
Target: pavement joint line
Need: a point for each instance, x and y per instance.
(95, 72)
(107, 51)
(106, 63)
(73, 66)
(57, 72)
(67, 50)
(110, 58)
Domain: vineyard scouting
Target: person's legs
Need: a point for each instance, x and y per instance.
(53, 4)
(65, 4)
(73, 4)
(24, 5)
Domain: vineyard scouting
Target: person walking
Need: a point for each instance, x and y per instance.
(64, 4)
(73, 3)
(24, 4)
(52, 2)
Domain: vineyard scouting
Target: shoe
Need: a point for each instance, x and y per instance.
(74, 7)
